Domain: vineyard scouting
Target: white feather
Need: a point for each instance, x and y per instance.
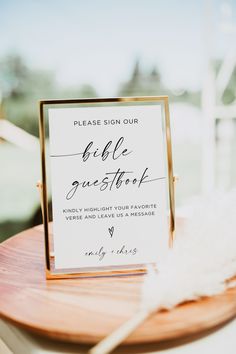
(203, 257)
(202, 260)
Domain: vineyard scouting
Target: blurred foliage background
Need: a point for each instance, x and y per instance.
(23, 84)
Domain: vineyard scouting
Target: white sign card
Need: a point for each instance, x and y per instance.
(109, 184)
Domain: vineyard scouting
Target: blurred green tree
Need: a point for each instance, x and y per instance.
(150, 83)
(22, 87)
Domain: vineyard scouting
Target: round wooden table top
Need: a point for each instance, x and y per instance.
(87, 310)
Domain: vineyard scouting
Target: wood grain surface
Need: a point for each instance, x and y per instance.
(87, 310)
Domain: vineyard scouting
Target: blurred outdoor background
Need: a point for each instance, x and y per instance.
(72, 49)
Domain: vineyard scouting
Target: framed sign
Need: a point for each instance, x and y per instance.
(107, 165)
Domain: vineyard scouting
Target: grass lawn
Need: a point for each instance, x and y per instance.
(20, 171)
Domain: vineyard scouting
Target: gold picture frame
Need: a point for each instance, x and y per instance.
(51, 272)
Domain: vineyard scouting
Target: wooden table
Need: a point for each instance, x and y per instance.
(83, 311)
